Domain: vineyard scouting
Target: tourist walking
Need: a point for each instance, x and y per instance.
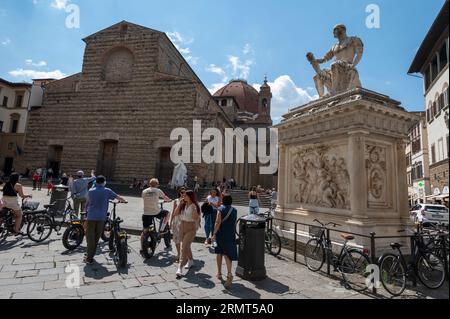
(97, 209)
(11, 189)
(35, 179)
(175, 223)
(79, 191)
(224, 239)
(254, 201)
(49, 187)
(189, 210)
(213, 202)
(65, 180)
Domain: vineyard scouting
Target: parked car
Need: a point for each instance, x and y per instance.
(429, 213)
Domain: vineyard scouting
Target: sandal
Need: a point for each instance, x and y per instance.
(229, 281)
(219, 276)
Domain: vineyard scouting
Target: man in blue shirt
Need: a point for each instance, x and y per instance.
(97, 209)
(79, 190)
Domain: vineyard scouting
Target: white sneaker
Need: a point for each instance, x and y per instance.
(179, 272)
(189, 264)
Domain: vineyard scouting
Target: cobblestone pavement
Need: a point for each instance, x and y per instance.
(29, 270)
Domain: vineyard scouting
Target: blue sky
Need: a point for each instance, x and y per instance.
(228, 39)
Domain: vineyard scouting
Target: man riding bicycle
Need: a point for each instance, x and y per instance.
(151, 197)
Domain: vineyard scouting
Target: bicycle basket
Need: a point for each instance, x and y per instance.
(315, 231)
(31, 205)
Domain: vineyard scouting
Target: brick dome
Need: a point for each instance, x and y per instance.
(246, 96)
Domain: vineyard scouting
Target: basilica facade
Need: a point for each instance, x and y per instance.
(116, 116)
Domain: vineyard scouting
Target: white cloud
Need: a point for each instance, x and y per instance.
(181, 43)
(38, 65)
(247, 49)
(33, 74)
(217, 70)
(59, 4)
(6, 42)
(286, 95)
(240, 69)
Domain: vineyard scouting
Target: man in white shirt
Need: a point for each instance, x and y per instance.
(152, 209)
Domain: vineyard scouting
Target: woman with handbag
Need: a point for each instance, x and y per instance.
(224, 239)
(175, 223)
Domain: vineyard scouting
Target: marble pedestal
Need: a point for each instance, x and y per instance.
(342, 160)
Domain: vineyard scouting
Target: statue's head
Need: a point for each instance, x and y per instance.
(340, 31)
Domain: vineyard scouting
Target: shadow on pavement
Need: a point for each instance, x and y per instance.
(240, 291)
(97, 271)
(272, 286)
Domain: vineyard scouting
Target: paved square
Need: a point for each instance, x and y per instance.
(29, 270)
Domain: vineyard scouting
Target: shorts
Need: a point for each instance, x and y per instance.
(11, 203)
(147, 221)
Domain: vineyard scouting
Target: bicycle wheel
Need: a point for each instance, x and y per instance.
(353, 267)
(273, 243)
(122, 251)
(106, 233)
(393, 274)
(73, 237)
(3, 232)
(148, 246)
(430, 270)
(40, 228)
(314, 254)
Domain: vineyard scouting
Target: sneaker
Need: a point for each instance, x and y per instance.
(189, 264)
(179, 273)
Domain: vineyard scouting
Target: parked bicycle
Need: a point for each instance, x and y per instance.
(153, 237)
(44, 223)
(350, 262)
(271, 238)
(424, 264)
(118, 241)
(7, 220)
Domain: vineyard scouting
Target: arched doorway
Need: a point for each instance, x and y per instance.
(54, 159)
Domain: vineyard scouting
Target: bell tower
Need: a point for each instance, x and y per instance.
(265, 98)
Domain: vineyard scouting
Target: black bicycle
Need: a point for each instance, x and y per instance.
(152, 238)
(351, 262)
(7, 219)
(74, 234)
(424, 264)
(271, 239)
(118, 241)
(42, 225)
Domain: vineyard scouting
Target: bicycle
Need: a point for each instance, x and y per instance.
(7, 219)
(423, 264)
(271, 238)
(42, 225)
(74, 234)
(152, 238)
(118, 241)
(351, 262)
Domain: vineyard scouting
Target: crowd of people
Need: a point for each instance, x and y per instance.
(90, 195)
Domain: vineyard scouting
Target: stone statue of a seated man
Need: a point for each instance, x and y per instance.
(343, 74)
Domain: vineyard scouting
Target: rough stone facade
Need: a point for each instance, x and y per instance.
(116, 116)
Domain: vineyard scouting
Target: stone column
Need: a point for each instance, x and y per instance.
(358, 174)
(402, 184)
(282, 178)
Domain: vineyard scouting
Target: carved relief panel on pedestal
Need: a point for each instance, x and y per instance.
(319, 177)
(376, 176)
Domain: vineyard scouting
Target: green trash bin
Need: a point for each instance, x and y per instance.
(251, 262)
